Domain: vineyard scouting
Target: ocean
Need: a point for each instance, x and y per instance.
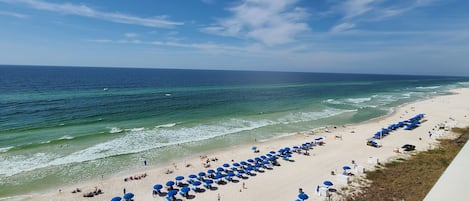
(62, 125)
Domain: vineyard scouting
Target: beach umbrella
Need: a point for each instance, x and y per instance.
(346, 168)
(170, 183)
(254, 148)
(257, 159)
(295, 147)
(236, 164)
(319, 138)
(185, 189)
(157, 186)
(172, 193)
(116, 198)
(243, 163)
(192, 176)
(269, 155)
(201, 174)
(231, 174)
(211, 171)
(241, 171)
(272, 152)
(196, 183)
(328, 183)
(128, 196)
(264, 157)
(209, 181)
(179, 178)
(303, 196)
(250, 160)
(226, 165)
(218, 176)
(219, 169)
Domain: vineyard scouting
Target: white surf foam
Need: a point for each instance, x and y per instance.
(115, 130)
(5, 149)
(166, 125)
(429, 87)
(66, 137)
(358, 100)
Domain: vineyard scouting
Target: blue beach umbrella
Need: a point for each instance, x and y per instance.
(185, 189)
(303, 196)
(251, 160)
(264, 157)
(231, 174)
(211, 171)
(179, 178)
(272, 152)
(346, 168)
(253, 148)
(226, 165)
(241, 171)
(236, 164)
(172, 193)
(243, 163)
(128, 196)
(209, 181)
(116, 199)
(220, 169)
(328, 183)
(192, 176)
(170, 183)
(157, 186)
(201, 174)
(196, 183)
(269, 155)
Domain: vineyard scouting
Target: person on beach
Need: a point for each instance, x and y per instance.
(124, 191)
(145, 162)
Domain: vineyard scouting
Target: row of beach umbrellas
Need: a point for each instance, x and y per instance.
(226, 171)
(409, 124)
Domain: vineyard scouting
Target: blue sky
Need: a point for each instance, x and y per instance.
(347, 36)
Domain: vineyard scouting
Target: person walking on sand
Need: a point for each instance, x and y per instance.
(218, 196)
(124, 191)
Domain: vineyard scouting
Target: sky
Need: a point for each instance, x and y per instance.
(428, 37)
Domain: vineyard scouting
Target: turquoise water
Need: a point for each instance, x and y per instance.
(62, 125)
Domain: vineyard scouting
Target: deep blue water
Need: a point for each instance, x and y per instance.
(54, 118)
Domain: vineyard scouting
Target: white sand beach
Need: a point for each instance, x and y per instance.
(342, 145)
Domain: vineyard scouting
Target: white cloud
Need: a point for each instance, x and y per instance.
(354, 8)
(272, 22)
(13, 14)
(131, 35)
(353, 12)
(83, 10)
(342, 27)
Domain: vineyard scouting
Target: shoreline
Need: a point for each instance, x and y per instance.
(112, 185)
